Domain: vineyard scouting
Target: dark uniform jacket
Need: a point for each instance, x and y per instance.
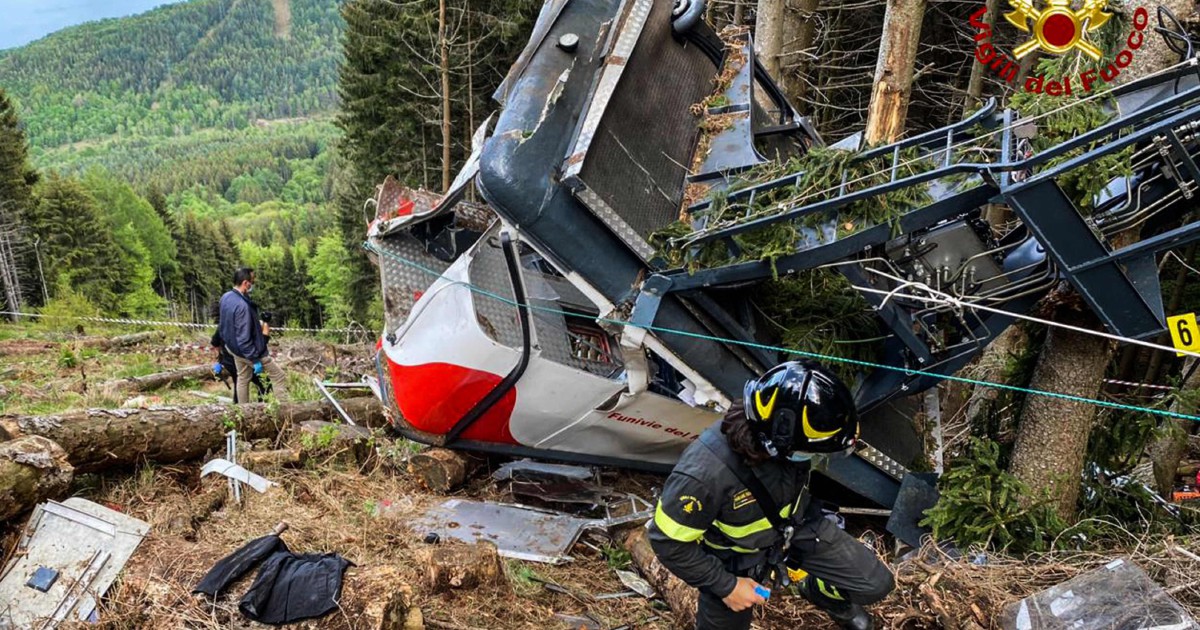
(239, 326)
(708, 529)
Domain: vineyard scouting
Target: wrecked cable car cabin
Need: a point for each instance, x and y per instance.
(528, 313)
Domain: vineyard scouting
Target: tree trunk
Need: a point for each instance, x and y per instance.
(1053, 434)
(456, 565)
(1169, 448)
(768, 34)
(156, 381)
(894, 71)
(678, 595)
(975, 82)
(102, 439)
(991, 366)
(441, 470)
(801, 19)
(32, 469)
(444, 45)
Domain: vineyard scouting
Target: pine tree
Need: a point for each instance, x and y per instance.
(78, 252)
(16, 182)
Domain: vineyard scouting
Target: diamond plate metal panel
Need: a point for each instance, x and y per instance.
(499, 318)
(403, 283)
(635, 160)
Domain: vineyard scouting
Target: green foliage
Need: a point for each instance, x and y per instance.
(981, 504)
(823, 173)
(331, 279)
(322, 439)
(66, 357)
(60, 313)
(616, 557)
(524, 578)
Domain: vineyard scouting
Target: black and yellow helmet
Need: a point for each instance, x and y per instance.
(801, 407)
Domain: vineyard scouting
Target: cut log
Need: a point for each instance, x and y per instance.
(101, 439)
(32, 469)
(442, 470)
(678, 595)
(258, 460)
(158, 380)
(457, 565)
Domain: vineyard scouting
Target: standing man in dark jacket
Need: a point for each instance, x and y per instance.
(242, 331)
(712, 527)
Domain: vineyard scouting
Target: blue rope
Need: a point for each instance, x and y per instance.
(793, 351)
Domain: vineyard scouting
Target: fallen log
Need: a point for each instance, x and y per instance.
(441, 470)
(107, 343)
(157, 380)
(457, 565)
(678, 595)
(101, 439)
(32, 469)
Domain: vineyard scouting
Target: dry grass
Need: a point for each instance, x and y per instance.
(331, 510)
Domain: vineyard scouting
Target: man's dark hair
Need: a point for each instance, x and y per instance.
(242, 275)
(741, 436)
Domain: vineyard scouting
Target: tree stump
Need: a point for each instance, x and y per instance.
(441, 470)
(32, 469)
(456, 565)
(678, 595)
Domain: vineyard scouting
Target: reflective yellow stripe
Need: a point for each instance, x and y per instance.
(829, 590)
(742, 531)
(673, 529)
(733, 548)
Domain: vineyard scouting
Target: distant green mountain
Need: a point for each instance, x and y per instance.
(223, 64)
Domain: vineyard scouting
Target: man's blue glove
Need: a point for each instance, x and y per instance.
(257, 368)
(217, 368)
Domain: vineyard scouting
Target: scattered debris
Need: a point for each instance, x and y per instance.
(541, 483)
(68, 556)
(236, 473)
(518, 532)
(635, 583)
(1116, 595)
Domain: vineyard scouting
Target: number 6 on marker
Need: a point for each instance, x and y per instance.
(1185, 334)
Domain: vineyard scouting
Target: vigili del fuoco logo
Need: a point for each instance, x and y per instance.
(1056, 28)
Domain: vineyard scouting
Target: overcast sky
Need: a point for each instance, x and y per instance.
(26, 20)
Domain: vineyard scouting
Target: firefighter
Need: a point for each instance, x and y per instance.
(712, 526)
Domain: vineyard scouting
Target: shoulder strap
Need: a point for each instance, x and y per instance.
(743, 473)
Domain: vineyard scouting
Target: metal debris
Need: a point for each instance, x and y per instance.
(635, 583)
(233, 471)
(1116, 595)
(74, 550)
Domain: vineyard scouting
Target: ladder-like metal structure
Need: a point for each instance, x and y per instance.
(1156, 120)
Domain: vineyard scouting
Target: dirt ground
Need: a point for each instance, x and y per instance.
(332, 504)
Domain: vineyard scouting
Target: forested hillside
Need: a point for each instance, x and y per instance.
(142, 159)
(177, 69)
